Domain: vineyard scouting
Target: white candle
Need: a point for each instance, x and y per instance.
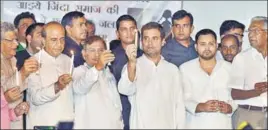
(72, 62)
(17, 77)
(39, 56)
(39, 59)
(136, 38)
(108, 47)
(107, 43)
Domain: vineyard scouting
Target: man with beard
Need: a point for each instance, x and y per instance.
(207, 97)
(152, 84)
(231, 27)
(229, 47)
(249, 77)
(76, 32)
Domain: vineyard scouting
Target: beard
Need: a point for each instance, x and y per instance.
(151, 53)
(207, 55)
(228, 57)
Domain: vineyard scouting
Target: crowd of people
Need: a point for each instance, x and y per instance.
(55, 72)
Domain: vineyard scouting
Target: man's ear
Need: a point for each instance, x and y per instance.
(68, 29)
(117, 35)
(195, 46)
(29, 39)
(43, 42)
(240, 48)
(84, 54)
(192, 28)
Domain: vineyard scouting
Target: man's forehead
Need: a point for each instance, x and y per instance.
(256, 24)
(229, 42)
(79, 20)
(183, 20)
(26, 20)
(10, 34)
(127, 23)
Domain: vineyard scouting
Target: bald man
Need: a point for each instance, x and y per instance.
(229, 47)
(49, 94)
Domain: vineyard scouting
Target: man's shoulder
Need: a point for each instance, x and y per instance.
(245, 54)
(64, 57)
(189, 64)
(170, 66)
(22, 54)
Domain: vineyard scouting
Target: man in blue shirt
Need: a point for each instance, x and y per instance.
(181, 48)
(76, 31)
(125, 31)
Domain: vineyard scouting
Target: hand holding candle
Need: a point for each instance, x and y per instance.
(136, 37)
(17, 77)
(108, 47)
(39, 59)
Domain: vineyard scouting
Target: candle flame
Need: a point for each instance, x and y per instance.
(72, 52)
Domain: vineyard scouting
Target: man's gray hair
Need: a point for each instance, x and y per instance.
(6, 27)
(261, 18)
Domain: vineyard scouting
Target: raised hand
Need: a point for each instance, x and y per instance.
(104, 58)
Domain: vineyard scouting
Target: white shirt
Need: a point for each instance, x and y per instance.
(155, 95)
(219, 55)
(250, 68)
(97, 101)
(23, 44)
(199, 87)
(46, 107)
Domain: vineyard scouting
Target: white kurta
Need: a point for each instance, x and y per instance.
(46, 107)
(250, 68)
(97, 101)
(200, 87)
(155, 95)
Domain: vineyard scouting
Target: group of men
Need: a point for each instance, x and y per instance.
(173, 83)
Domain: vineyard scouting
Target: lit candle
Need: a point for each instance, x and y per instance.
(39, 59)
(17, 77)
(107, 43)
(72, 62)
(108, 47)
(136, 38)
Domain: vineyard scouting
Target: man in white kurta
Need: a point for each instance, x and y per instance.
(155, 90)
(97, 101)
(249, 80)
(202, 86)
(49, 94)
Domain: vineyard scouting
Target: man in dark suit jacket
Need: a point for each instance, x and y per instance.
(33, 41)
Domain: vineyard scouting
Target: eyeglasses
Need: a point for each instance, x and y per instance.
(256, 31)
(92, 50)
(11, 41)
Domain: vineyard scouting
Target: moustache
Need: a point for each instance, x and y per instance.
(229, 55)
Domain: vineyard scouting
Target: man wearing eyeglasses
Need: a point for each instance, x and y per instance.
(232, 27)
(180, 48)
(249, 77)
